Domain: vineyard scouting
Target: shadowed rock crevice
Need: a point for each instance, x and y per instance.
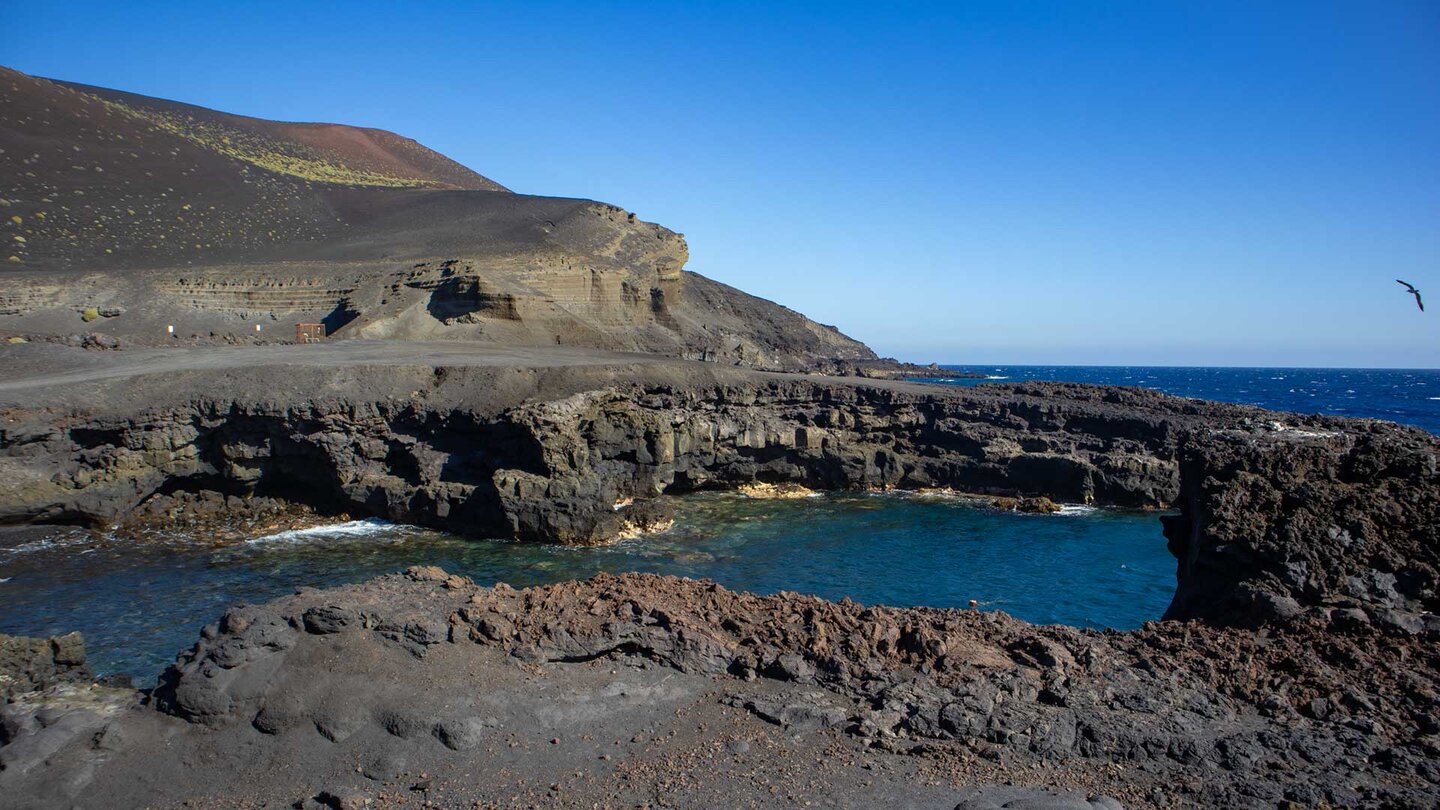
(339, 317)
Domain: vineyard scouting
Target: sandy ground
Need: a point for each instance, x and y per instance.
(35, 366)
(51, 376)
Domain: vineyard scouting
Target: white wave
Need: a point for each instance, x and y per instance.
(4, 580)
(1432, 397)
(350, 530)
(47, 543)
(996, 377)
(961, 498)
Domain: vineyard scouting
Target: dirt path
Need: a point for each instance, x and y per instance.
(35, 366)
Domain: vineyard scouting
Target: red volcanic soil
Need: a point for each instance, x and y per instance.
(94, 179)
(363, 149)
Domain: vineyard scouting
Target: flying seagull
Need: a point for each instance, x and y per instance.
(1414, 292)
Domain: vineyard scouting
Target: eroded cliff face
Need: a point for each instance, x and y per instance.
(533, 272)
(1340, 522)
(1308, 515)
(555, 469)
(163, 215)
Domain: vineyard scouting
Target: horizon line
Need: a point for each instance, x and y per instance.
(1186, 365)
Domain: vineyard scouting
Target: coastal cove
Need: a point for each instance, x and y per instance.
(138, 604)
(528, 513)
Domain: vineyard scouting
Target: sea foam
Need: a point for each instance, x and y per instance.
(349, 530)
(48, 543)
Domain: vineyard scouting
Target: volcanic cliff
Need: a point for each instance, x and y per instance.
(149, 214)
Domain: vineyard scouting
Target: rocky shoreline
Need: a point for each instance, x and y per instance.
(612, 690)
(548, 454)
(1297, 663)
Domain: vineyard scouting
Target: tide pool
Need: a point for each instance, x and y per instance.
(139, 604)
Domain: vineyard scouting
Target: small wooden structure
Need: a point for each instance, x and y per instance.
(309, 332)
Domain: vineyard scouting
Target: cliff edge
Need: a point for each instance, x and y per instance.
(124, 215)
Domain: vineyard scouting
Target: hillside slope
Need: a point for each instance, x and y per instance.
(161, 214)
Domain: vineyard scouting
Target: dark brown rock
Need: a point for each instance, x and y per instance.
(28, 664)
(1276, 523)
(554, 465)
(1160, 702)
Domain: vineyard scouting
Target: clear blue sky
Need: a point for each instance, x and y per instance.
(1068, 182)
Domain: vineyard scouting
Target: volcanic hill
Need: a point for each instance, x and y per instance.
(124, 215)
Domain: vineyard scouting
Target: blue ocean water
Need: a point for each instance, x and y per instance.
(140, 604)
(1407, 396)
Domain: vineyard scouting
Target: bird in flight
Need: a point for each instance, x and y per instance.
(1411, 288)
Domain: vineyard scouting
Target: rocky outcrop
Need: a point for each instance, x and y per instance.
(28, 664)
(554, 469)
(1339, 523)
(384, 674)
(1214, 717)
(1330, 518)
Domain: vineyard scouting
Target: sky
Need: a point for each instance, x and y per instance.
(1172, 183)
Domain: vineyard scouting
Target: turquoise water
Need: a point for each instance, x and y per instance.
(139, 605)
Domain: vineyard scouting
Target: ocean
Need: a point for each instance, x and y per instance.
(138, 604)
(1407, 396)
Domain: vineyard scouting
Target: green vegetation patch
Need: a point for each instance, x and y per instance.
(272, 154)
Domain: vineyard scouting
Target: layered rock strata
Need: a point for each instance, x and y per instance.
(460, 453)
(1278, 514)
(189, 224)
